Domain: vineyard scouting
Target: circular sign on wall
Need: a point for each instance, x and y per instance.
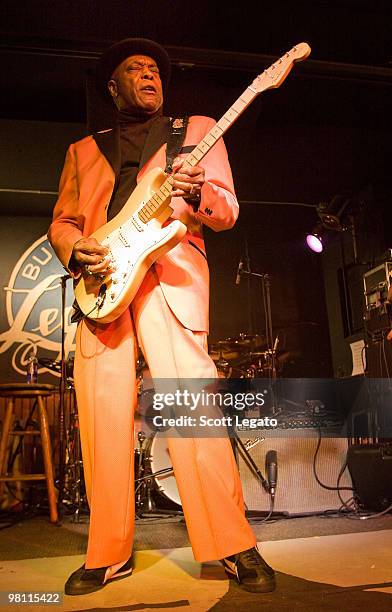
(34, 310)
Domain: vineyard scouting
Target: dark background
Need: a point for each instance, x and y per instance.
(325, 131)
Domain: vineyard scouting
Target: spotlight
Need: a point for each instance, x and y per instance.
(314, 242)
(333, 216)
(315, 239)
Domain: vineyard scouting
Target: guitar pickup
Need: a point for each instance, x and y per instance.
(123, 239)
(136, 224)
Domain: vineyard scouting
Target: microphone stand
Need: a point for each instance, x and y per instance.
(61, 417)
(247, 267)
(272, 346)
(238, 445)
(256, 515)
(266, 295)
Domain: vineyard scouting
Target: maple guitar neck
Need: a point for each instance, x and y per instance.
(272, 77)
(221, 127)
(156, 203)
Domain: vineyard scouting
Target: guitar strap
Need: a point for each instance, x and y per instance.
(178, 127)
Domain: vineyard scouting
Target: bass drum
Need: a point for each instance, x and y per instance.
(160, 460)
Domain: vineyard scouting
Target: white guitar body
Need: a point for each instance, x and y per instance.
(135, 237)
(134, 246)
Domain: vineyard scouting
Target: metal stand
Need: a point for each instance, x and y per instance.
(239, 443)
(145, 485)
(266, 297)
(74, 494)
(71, 493)
(63, 378)
(271, 352)
(272, 344)
(240, 447)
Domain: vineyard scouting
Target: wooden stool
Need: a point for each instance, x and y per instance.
(13, 391)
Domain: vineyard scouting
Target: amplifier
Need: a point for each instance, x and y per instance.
(371, 472)
(376, 283)
(378, 320)
(298, 491)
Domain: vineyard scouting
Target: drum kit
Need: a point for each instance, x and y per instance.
(243, 356)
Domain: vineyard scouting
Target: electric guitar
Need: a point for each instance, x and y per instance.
(136, 237)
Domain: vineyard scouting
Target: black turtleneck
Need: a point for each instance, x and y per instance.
(133, 131)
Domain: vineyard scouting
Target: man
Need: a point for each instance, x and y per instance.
(168, 318)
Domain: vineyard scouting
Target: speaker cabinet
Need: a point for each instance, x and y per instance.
(371, 471)
(297, 490)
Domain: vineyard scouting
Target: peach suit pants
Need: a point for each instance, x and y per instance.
(205, 468)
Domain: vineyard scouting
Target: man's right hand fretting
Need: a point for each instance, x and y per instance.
(92, 257)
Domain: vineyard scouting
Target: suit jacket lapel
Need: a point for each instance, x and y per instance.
(108, 143)
(157, 136)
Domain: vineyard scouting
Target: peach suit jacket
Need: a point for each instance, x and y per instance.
(86, 186)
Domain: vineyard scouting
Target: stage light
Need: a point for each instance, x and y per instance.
(315, 241)
(334, 216)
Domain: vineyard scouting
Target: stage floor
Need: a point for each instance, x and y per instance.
(333, 564)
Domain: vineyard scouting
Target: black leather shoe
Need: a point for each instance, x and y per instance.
(251, 571)
(84, 581)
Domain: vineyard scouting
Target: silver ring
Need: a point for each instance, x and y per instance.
(87, 268)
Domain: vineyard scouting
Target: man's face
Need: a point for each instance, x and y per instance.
(136, 85)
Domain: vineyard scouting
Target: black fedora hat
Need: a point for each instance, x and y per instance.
(117, 53)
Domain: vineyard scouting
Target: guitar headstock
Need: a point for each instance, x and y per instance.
(274, 76)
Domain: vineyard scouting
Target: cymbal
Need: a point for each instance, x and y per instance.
(236, 349)
(220, 352)
(248, 359)
(53, 365)
(244, 341)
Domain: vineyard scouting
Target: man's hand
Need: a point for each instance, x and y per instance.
(92, 258)
(188, 180)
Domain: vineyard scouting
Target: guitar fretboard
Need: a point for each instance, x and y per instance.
(158, 201)
(272, 77)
